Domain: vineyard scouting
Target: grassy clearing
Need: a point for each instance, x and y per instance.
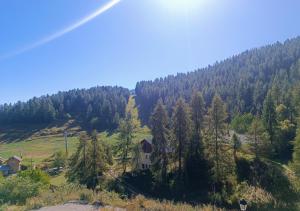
(42, 144)
(37, 149)
(58, 180)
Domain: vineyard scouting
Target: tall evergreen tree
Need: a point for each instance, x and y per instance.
(218, 147)
(78, 161)
(269, 117)
(197, 111)
(196, 164)
(127, 129)
(181, 129)
(160, 133)
(257, 136)
(89, 162)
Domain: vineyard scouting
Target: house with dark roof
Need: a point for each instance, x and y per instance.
(145, 151)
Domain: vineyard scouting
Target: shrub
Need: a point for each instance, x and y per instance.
(15, 190)
(36, 176)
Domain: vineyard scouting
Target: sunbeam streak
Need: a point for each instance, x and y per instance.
(62, 32)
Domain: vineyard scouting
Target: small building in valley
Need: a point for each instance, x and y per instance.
(10, 166)
(14, 164)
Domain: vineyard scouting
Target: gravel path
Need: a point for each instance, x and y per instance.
(71, 207)
(75, 206)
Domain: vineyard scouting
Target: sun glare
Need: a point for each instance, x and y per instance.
(181, 6)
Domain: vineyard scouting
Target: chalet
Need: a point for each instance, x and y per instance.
(14, 164)
(10, 166)
(145, 149)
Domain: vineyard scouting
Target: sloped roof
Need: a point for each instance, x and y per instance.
(16, 158)
(146, 146)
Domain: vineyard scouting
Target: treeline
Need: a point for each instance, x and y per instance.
(98, 107)
(196, 152)
(242, 81)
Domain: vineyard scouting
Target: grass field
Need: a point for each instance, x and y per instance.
(36, 148)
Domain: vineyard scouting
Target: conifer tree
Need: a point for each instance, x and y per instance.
(217, 147)
(89, 162)
(181, 129)
(196, 164)
(127, 128)
(78, 161)
(160, 133)
(269, 117)
(257, 136)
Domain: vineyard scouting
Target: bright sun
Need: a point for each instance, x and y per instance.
(183, 5)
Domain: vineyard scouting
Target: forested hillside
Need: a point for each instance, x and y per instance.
(100, 107)
(242, 81)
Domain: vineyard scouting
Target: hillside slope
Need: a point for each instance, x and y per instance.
(242, 80)
(97, 107)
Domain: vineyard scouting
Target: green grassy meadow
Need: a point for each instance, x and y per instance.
(37, 148)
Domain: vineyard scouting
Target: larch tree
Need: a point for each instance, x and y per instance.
(196, 164)
(218, 147)
(269, 117)
(257, 136)
(127, 128)
(181, 129)
(78, 161)
(160, 132)
(99, 160)
(236, 143)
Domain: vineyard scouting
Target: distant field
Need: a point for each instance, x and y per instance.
(37, 149)
(43, 143)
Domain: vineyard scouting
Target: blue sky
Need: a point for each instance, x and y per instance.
(135, 40)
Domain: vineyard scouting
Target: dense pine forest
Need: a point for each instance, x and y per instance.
(99, 107)
(242, 81)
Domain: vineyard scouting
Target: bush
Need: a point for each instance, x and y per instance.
(87, 196)
(36, 176)
(16, 190)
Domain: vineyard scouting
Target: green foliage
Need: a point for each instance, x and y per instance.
(36, 175)
(196, 164)
(258, 138)
(270, 118)
(217, 150)
(16, 190)
(242, 123)
(98, 107)
(182, 131)
(161, 141)
(89, 162)
(243, 81)
(296, 155)
(127, 130)
(59, 159)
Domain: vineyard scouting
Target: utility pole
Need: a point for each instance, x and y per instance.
(66, 142)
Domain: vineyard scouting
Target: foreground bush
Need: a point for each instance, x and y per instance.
(15, 190)
(73, 192)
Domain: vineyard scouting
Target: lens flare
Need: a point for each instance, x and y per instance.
(64, 31)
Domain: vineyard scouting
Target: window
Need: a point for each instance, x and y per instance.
(143, 166)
